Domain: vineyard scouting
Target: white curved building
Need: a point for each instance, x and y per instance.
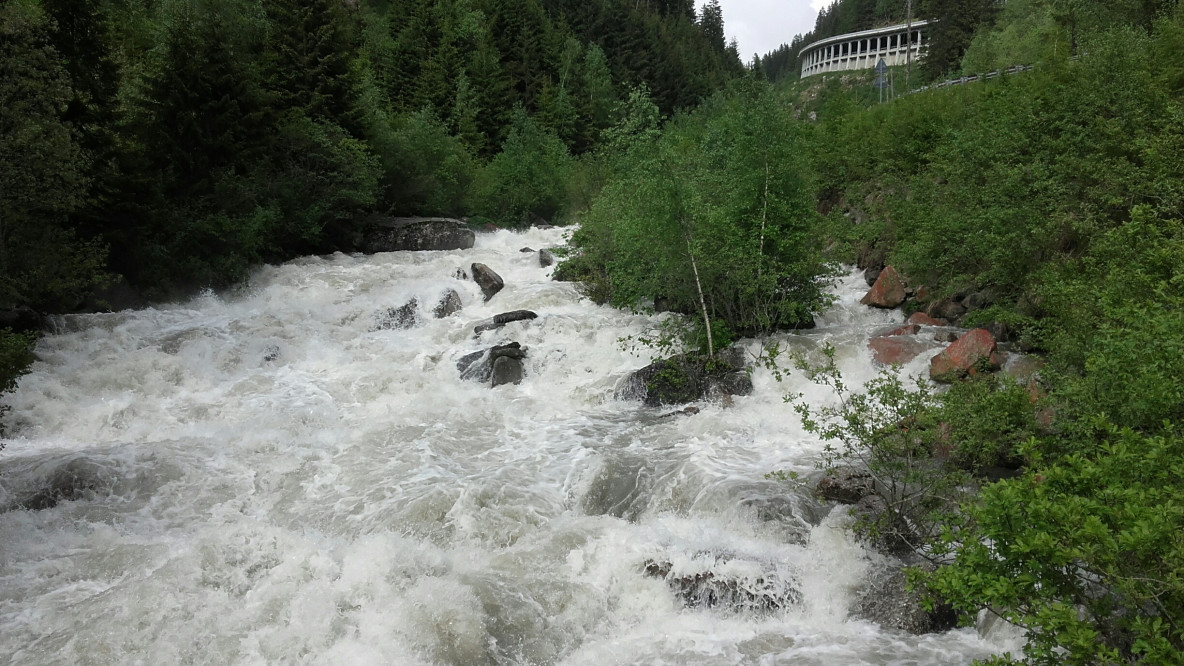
(862, 50)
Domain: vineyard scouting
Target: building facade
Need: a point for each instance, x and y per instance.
(862, 50)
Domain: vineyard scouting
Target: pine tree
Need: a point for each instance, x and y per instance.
(42, 170)
(309, 56)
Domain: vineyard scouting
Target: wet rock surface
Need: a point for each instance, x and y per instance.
(888, 602)
(402, 317)
(507, 370)
(448, 305)
(504, 318)
(973, 351)
(922, 319)
(846, 485)
(481, 366)
(887, 292)
(686, 378)
(489, 281)
(744, 589)
(394, 234)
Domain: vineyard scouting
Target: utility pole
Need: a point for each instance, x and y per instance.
(908, 54)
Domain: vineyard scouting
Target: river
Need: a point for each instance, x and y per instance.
(261, 477)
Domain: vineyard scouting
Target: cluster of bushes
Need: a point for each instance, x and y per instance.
(1062, 190)
(712, 216)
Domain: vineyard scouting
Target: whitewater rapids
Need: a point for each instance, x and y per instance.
(262, 477)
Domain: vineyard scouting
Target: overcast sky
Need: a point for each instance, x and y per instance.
(763, 25)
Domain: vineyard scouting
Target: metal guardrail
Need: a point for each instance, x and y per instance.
(977, 77)
(982, 77)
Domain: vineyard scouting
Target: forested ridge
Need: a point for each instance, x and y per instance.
(173, 145)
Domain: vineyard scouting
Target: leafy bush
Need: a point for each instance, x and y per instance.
(714, 217)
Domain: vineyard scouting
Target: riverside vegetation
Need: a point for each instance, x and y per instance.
(175, 144)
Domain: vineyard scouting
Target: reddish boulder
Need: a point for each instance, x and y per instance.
(922, 319)
(908, 329)
(888, 292)
(971, 352)
(889, 349)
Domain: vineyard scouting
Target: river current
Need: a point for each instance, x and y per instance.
(263, 477)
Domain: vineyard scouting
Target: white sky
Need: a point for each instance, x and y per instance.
(762, 25)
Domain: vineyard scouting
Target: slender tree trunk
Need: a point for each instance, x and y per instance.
(764, 217)
(702, 300)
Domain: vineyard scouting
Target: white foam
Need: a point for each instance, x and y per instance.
(353, 502)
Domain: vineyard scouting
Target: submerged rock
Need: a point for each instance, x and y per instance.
(889, 603)
(504, 318)
(546, 259)
(481, 366)
(507, 370)
(449, 305)
(896, 349)
(720, 585)
(846, 485)
(395, 234)
(76, 479)
(687, 378)
(686, 411)
(489, 281)
(405, 316)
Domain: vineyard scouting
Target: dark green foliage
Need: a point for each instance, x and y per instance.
(42, 171)
(713, 216)
(196, 139)
(1061, 190)
(527, 180)
(16, 355)
(953, 26)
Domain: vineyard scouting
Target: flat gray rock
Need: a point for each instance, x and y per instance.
(396, 234)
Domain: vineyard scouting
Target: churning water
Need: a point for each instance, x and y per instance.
(262, 477)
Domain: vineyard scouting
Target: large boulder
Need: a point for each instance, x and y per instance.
(896, 349)
(899, 345)
(971, 352)
(507, 370)
(922, 319)
(732, 383)
(449, 305)
(546, 259)
(888, 291)
(480, 366)
(888, 602)
(393, 234)
(489, 281)
(846, 485)
(687, 378)
(502, 319)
